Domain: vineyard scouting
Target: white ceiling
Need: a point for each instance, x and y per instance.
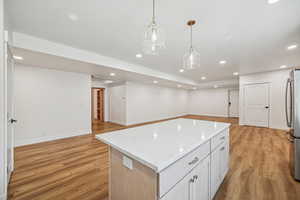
(251, 36)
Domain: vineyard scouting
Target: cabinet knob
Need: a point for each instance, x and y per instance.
(222, 148)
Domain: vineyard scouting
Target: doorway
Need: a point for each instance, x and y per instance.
(256, 104)
(97, 108)
(233, 103)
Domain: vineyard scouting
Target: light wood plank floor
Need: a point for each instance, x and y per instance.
(77, 168)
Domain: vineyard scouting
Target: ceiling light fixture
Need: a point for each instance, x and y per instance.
(235, 73)
(154, 37)
(223, 62)
(292, 47)
(139, 55)
(108, 81)
(18, 57)
(273, 1)
(112, 74)
(203, 78)
(191, 59)
(283, 66)
(181, 70)
(216, 86)
(194, 88)
(155, 82)
(73, 17)
(179, 86)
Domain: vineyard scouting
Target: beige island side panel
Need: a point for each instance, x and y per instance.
(140, 183)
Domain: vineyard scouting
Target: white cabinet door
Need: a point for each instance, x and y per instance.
(219, 166)
(215, 172)
(201, 185)
(182, 190)
(195, 186)
(224, 159)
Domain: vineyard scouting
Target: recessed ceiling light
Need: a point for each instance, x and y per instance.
(283, 66)
(112, 74)
(216, 86)
(18, 57)
(272, 1)
(203, 78)
(139, 55)
(155, 82)
(223, 62)
(235, 73)
(73, 17)
(179, 86)
(108, 81)
(181, 70)
(292, 47)
(194, 88)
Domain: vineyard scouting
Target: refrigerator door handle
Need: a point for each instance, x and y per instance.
(288, 122)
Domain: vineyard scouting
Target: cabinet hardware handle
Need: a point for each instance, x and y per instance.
(195, 177)
(196, 159)
(222, 148)
(222, 138)
(192, 180)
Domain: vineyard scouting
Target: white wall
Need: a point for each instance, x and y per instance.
(277, 82)
(117, 104)
(99, 84)
(150, 102)
(2, 108)
(50, 104)
(210, 102)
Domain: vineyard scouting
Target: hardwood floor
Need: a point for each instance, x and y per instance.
(77, 168)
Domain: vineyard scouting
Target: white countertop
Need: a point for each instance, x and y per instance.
(161, 144)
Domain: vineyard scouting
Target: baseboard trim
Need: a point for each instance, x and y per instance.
(155, 121)
(49, 138)
(209, 115)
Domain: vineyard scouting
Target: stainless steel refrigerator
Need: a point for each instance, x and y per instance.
(292, 108)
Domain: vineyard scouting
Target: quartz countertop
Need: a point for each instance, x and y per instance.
(161, 144)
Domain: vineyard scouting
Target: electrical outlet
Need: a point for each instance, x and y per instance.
(127, 162)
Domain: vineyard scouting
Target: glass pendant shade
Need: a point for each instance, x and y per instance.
(191, 60)
(154, 39)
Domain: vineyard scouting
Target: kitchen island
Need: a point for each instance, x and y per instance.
(181, 159)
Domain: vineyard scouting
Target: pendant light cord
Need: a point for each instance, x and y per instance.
(153, 12)
(191, 37)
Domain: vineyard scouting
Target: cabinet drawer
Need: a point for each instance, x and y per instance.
(218, 139)
(174, 173)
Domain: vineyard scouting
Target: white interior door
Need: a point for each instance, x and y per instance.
(233, 103)
(10, 111)
(256, 104)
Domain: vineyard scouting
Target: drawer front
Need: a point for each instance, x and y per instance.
(174, 173)
(218, 139)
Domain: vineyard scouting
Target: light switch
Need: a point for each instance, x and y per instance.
(127, 162)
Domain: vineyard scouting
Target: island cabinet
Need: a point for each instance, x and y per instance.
(159, 162)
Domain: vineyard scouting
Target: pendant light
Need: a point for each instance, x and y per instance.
(154, 38)
(191, 59)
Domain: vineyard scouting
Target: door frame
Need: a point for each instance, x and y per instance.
(244, 99)
(92, 104)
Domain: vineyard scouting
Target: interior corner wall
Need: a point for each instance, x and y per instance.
(50, 104)
(277, 80)
(208, 102)
(99, 84)
(146, 102)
